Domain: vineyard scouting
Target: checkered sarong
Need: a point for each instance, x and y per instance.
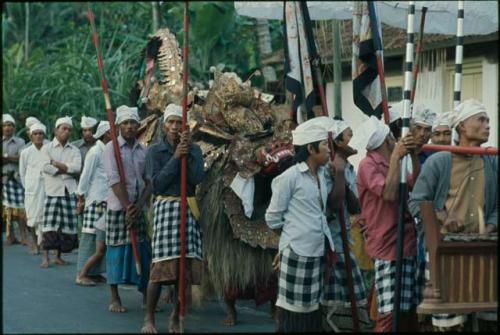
(300, 281)
(13, 194)
(60, 213)
(412, 284)
(116, 231)
(91, 214)
(166, 232)
(336, 290)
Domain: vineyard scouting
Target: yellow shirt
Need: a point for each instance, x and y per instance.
(466, 194)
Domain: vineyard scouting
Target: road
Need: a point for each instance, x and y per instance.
(39, 301)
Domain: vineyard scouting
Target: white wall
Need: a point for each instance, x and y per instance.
(490, 99)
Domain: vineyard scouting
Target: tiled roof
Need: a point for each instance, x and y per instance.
(394, 40)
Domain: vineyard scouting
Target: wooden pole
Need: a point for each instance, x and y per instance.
(416, 67)
(182, 263)
(114, 140)
(337, 68)
(459, 52)
(461, 150)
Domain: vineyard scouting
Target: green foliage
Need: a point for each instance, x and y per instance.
(61, 77)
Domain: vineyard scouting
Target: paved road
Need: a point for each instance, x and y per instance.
(39, 300)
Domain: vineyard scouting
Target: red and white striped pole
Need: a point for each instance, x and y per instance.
(114, 140)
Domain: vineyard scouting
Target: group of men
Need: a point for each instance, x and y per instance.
(58, 181)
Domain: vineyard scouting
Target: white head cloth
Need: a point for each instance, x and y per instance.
(8, 118)
(38, 126)
(443, 119)
(338, 127)
(66, 120)
(312, 130)
(88, 122)
(423, 115)
(102, 128)
(466, 109)
(31, 120)
(375, 131)
(395, 111)
(124, 113)
(172, 110)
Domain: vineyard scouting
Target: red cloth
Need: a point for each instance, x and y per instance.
(379, 215)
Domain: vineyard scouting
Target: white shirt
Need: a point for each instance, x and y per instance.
(93, 180)
(31, 163)
(55, 184)
(296, 208)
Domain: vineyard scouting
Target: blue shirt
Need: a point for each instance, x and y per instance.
(164, 170)
(298, 207)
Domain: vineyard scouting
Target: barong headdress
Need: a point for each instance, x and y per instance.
(8, 118)
(172, 110)
(66, 120)
(102, 128)
(466, 109)
(88, 122)
(38, 126)
(124, 113)
(312, 130)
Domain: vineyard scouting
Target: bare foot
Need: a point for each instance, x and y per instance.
(60, 261)
(98, 279)
(35, 250)
(116, 307)
(174, 326)
(84, 281)
(230, 319)
(149, 327)
(25, 243)
(45, 264)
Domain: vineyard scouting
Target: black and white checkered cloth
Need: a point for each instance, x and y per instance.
(300, 282)
(412, 284)
(60, 213)
(13, 194)
(116, 231)
(337, 291)
(91, 214)
(166, 232)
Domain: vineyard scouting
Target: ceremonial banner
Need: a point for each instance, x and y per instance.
(365, 78)
(300, 50)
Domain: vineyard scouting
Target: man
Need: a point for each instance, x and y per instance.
(463, 188)
(420, 128)
(124, 209)
(13, 192)
(337, 292)
(163, 169)
(377, 182)
(441, 129)
(395, 121)
(31, 165)
(92, 192)
(87, 141)
(31, 120)
(297, 207)
(62, 162)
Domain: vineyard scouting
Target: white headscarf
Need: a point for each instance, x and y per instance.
(88, 122)
(370, 134)
(8, 118)
(31, 120)
(38, 126)
(395, 111)
(442, 120)
(338, 127)
(465, 110)
(66, 120)
(102, 128)
(172, 110)
(124, 113)
(423, 115)
(312, 130)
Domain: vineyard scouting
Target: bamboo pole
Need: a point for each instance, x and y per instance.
(416, 67)
(337, 68)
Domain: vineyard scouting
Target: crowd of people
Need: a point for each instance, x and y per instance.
(49, 186)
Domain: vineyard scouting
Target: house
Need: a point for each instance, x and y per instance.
(435, 80)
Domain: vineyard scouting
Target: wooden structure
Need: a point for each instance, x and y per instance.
(463, 275)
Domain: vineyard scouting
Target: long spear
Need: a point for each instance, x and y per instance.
(461, 150)
(114, 140)
(420, 43)
(403, 188)
(377, 41)
(459, 52)
(182, 263)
